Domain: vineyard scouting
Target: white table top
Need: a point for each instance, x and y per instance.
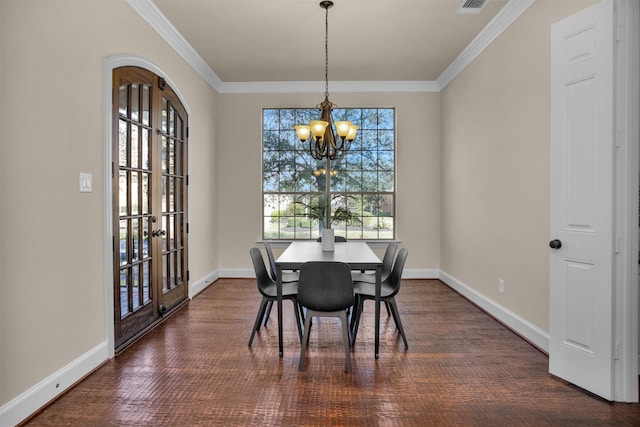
(358, 255)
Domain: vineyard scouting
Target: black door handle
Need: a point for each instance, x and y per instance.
(555, 244)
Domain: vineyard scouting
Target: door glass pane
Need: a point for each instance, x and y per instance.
(163, 200)
(123, 193)
(146, 208)
(144, 237)
(146, 281)
(135, 238)
(179, 273)
(134, 146)
(178, 230)
(145, 141)
(163, 119)
(124, 293)
(165, 221)
(165, 262)
(123, 142)
(123, 99)
(170, 230)
(123, 242)
(135, 99)
(134, 193)
(164, 155)
(171, 156)
(178, 157)
(135, 273)
(171, 120)
(178, 194)
(171, 194)
(146, 96)
(171, 270)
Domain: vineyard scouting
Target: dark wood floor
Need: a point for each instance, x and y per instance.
(462, 369)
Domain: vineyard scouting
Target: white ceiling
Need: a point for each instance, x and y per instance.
(283, 40)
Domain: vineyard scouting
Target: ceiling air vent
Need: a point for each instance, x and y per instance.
(471, 6)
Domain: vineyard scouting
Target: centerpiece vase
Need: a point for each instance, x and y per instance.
(328, 240)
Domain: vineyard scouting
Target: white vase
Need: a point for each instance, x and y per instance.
(328, 240)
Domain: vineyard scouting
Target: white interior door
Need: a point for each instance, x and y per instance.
(582, 145)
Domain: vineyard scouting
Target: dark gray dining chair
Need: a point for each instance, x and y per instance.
(287, 277)
(387, 265)
(325, 289)
(267, 288)
(388, 290)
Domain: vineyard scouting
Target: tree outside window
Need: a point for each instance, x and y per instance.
(354, 195)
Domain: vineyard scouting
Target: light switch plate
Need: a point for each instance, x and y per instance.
(85, 182)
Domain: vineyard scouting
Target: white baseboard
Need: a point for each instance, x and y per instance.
(238, 273)
(527, 330)
(201, 285)
(425, 273)
(26, 404)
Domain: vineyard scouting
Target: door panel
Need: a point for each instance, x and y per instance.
(173, 157)
(150, 124)
(581, 269)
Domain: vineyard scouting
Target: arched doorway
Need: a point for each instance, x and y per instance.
(149, 201)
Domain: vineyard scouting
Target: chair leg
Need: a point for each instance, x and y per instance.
(258, 321)
(305, 340)
(267, 312)
(354, 311)
(345, 338)
(386, 304)
(356, 322)
(396, 318)
(295, 311)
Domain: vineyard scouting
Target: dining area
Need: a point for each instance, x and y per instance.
(330, 278)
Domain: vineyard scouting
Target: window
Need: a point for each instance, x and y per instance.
(354, 195)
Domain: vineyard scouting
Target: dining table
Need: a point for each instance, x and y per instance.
(356, 254)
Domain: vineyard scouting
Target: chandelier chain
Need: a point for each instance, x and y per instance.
(326, 53)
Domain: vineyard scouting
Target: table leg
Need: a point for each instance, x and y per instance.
(279, 303)
(378, 291)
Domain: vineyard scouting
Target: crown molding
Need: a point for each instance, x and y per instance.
(150, 12)
(319, 87)
(505, 17)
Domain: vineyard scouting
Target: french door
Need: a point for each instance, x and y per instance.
(149, 173)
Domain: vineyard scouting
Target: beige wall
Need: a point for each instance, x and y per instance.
(52, 245)
(417, 175)
(495, 166)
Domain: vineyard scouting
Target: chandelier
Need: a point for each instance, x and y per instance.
(320, 131)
